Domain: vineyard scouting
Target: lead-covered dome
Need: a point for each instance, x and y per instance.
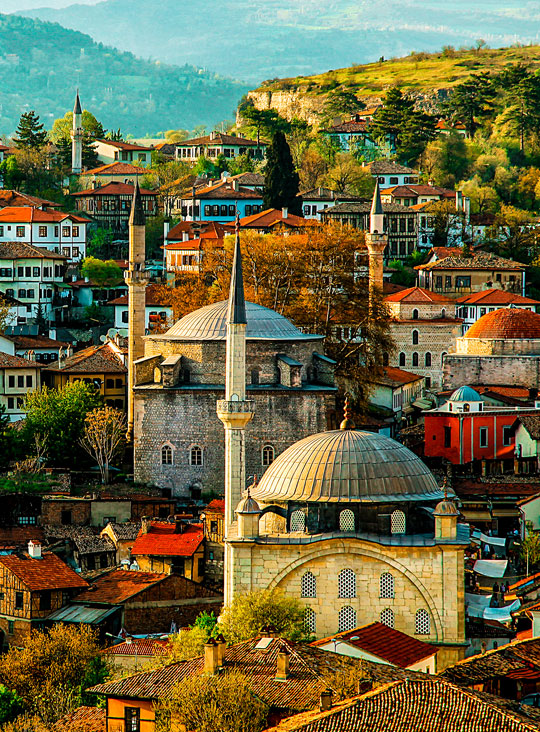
(466, 394)
(350, 466)
(210, 324)
(506, 323)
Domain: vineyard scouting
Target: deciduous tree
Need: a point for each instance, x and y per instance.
(102, 273)
(104, 437)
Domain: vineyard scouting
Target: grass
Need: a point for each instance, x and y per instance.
(416, 72)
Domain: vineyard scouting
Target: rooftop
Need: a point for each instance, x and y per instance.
(416, 295)
(219, 138)
(16, 362)
(514, 660)
(32, 214)
(48, 572)
(531, 423)
(83, 719)
(16, 198)
(274, 217)
(154, 296)
(224, 189)
(114, 189)
(479, 260)
(162, 540)
(92, 360)
(389, 167)
(117, 168)
(140, 647)
(120, 585)
(121, 145)
(21, 250)
(494, 296)
(506, 323)
(393, 376)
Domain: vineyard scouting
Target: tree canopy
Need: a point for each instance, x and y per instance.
(282, 183)
(30, 133)
(101, 273)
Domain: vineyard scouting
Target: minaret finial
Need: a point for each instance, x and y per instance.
(347, 423)
(77, 109)
(237, 302)
(376, 219)
(136, 216)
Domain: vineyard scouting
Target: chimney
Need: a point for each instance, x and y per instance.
(69, 351)
(536, 623)
(145, 524)
(326, 700)
(235, 185)
(269, 631)
(179, 525)
(211, 658)
(283, 658)
(459, 201)
(285, 212)
(221, 646)
(61, 357)
(34, 549)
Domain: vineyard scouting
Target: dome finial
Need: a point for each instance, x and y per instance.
(347, 423)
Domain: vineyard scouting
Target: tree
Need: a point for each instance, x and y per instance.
(448, 223)
(341, 101)
(219, 703)
(29, 170)
(484, 199)
(348, 176)
(51, 670)
(471, 101)
(104, 437)
(248, 613)
(522, 109)
(176, 135)
(515, 234)
(446, 160)
(58, 415)
(282, 183)
(61, 136)
(5, 314)
(11, 704)
(187, 643)
(262, 122)
(530, 548)
(102, 273)
(30, 132)
(99, 244)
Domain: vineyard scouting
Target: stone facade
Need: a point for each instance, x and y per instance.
(459, 370)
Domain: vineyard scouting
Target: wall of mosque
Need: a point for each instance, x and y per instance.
(507, 370)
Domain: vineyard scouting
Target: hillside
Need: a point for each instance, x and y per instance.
(276, 38)
(41, 64)
(428, 77)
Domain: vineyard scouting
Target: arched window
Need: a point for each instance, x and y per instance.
(298, 521)
(268, 455)
(195, 456)
(427, 359)
(310, 620)
(387, 617)
(166, 455)
(397, 522)
(309, 585)
(443, 313)
(346, 583)
(415, 337)
(386, 585)
(415, 315)
(422, 625)
(255, 376)
(443, 354)
(402, 358)
(346, 520)
(415, 359)
(466, 407)
(385, 359)
(346, 619)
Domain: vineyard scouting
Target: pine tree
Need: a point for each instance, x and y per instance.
(282, 183)
(30, 132)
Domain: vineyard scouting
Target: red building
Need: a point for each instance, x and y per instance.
(465, 429)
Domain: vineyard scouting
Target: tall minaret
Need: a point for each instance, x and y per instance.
(376, 242)
(77, 137)
(235, 410)
(136, 280)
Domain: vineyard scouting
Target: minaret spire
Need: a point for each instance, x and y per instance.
(237, 302)
(376, 218)
(376, 242)
(77, 137)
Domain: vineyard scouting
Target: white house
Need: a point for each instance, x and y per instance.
(396, 390)
(109, 151)
(319, 199)
(476, 304)
(56, 231)
(216, 144)
(157, 314)
(33, 276)
(18, 377)
(220, 202)
(390, 173)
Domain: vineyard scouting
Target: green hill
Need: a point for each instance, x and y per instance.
(42, 63)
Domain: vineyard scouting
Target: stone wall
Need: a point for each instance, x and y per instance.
(426, 310)
(434, 338)
(459, 370)
(498, 346)
(52, 508)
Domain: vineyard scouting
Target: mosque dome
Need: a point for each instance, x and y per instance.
(466, 394)
(210, 324)
(446, 508)
(348, 466)
(248, 505)
(506, 323)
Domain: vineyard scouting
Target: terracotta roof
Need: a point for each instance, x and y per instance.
(204, 230)
(497, 663)
(301, 690)
(16, 362)
(16, 198)
(426, 705)
(393, 376)
(91, 360)
(31, 215)
(163, 541)
(274, 217)
(121, 145)
(22, 250)
(506, 323)
(416, 295)
(83, 719)
(47, 573)
(391, 645)
(218, 504)
(350, 126)
(479, 260)
(117, 168)
(494, 296)
(442, 252)
(36, 342)
(114, 189)
(140, 647)
(389, 167)
(224, 190)
(219, 139)
(120, 585)
(152, 297)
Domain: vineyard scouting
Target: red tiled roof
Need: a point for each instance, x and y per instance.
(140, 647)
(16, 362)
(114, 189)
(442, 252)
(416, 294)
(274, 217)
(393, 376)
(117, 168)
(350, 126)
(31, 214)
(120, 585)
(36, 342)
(391, 645)
(204, 229)
(16, 198)
(220, 139)
(121, 145)
(506, 323)
(152, 297)
(494, 296)
(218, 504)
(22, 250)
(163, 541)
(83, 719)
(47, 573)
(91, 360)
(478, 260)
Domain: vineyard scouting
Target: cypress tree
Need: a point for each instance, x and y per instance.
(282, 183)
(30, 132)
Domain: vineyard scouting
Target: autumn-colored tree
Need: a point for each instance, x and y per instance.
(448, 223)
(51, 670)
(5, 316)
(348, 176)
(101, 273)
(104, 437)
(515, 234)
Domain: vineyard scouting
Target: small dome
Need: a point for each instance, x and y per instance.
(210, 324)
(466, 394)
(511, 323)
(349, 466)
(446, 508)
(248, 505)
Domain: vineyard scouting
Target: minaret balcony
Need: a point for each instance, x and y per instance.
(235, 413)
(136, 277)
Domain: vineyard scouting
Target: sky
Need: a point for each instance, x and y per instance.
(14, 6)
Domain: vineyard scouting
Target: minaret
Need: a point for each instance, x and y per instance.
(136, 280)
(376, 242)
(235, 410)
(77, 137)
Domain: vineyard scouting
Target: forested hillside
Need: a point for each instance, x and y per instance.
(41, 64)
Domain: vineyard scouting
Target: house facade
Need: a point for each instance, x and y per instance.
(158, 315)
(215, 144)
(170, 548)
(220, 202)
(18, 377)
(110, 151)
(55, 231)
(109, 205)
(395, 390)
(472, 307)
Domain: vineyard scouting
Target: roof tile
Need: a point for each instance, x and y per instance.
(163, 541)
(46, 573)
